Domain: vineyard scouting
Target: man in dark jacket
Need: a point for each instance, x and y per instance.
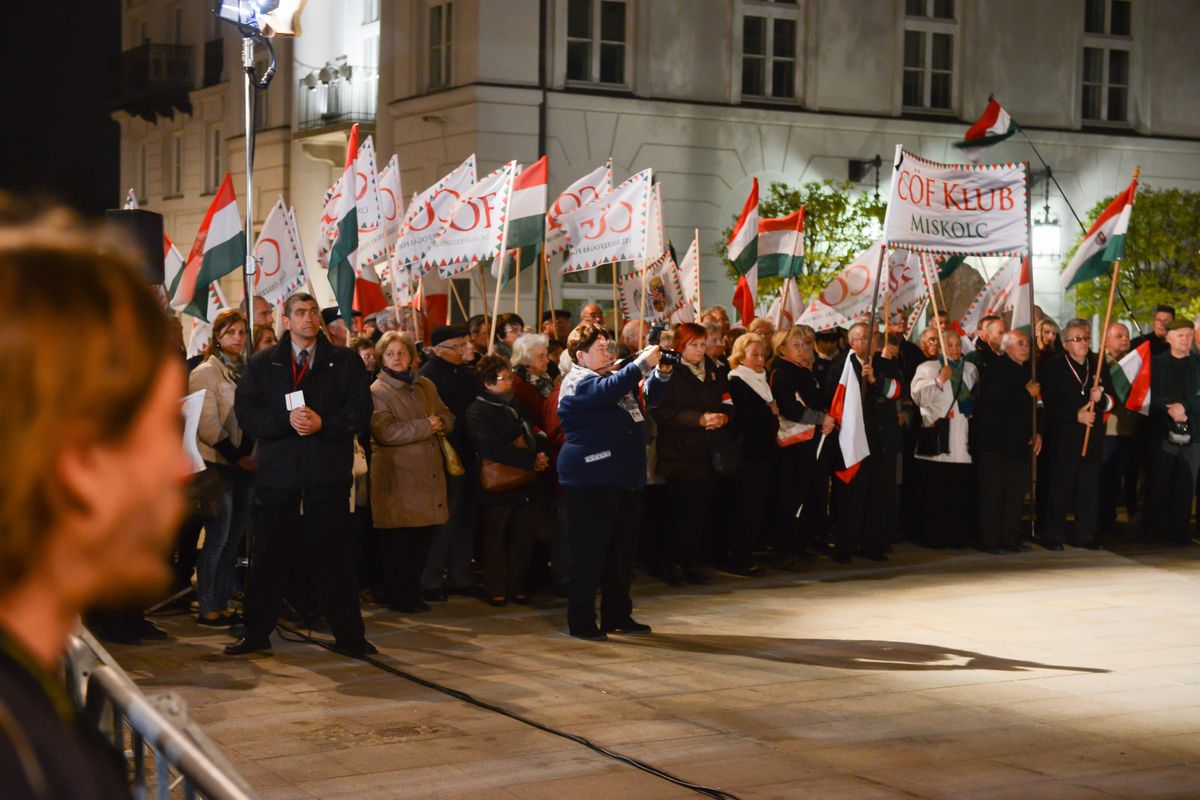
(458, 385)
(865, 509)
(304, 401)
(1004, 432)
(1157, 337)
(988, 342)
(1175, 435)
(1074, 404)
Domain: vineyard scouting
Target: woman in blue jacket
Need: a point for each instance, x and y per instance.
(602, 466)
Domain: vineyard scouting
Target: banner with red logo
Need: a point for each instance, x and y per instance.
(426, 216)
(957, 209)
(849, 294)
(475, 226)
(280, 264)
(590, 187)
(613, 228)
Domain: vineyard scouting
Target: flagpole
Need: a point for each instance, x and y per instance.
(616, 320)
(539, 296)
(462, 309)
(642, 312)
(933, 300)
(549, 285)
(696, 242)
(500, 255)
(783, 293)
(874, 307)
(1033, 456)
(482, 289)
(887, 314)
(517, 291)
(250, 266)
(1112, 290)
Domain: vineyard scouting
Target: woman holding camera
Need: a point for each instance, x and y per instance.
(696, 403)
(602, 466)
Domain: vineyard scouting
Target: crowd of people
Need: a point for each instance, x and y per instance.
(381, 468)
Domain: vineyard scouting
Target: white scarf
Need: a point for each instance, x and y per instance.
(755, 380)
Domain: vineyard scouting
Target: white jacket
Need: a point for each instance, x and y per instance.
(937, 401)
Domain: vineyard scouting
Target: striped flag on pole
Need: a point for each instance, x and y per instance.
(1131, 379)
(847, 409)
(219, 249)
(781, 245)
(742, 250)
(1104, 242)
(993, 127)
(343, 257)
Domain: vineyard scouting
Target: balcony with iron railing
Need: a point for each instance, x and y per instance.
(155, 80)
(214, 61)
(337, 95)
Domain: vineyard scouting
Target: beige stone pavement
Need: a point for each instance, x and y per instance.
(937, 675)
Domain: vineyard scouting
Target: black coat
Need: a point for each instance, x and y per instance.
(881, 402)
(1063, 395)
(335, 386)
(797, 393)
(1158, 344)
(683, 446)
(1164, 391)
(458, 386)
(493, 426)
(1003, 421)
(755, 422)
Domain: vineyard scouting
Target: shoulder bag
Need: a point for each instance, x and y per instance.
(454, 465)
(498, 478)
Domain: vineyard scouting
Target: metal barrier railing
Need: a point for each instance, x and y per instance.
(185, 761)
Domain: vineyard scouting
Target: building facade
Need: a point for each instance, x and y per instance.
(709, 93)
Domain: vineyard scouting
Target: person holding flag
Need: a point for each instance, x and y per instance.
(1119, 434)
(866, 496)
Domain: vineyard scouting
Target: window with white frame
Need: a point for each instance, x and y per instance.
(370, 11)
(597, 47)
(441, 38)
(930, 27)
(770, 44)
(174, 159)
(212, 160)
(1107, 42)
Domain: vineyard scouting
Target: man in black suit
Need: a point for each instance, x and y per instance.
(1073, 405)
(866, 508)
(304, 401)
(1004, 433)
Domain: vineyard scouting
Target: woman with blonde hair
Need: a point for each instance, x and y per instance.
(226, 451)
(757, 421)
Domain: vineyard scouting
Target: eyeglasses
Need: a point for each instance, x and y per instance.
(1077, 339)
(463, 346)
(504, 378)
(514, 328)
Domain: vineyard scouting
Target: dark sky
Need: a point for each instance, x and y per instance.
(57, 139)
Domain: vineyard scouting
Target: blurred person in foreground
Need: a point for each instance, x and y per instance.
(92, 491)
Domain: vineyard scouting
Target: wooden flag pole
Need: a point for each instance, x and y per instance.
(495, 313)
(874, 308)
(539, 297)
(696, 241)
(933, 300)
(1112, 291)
(642, 312)
(783, 301)
(500, 272)
(482, 288)
(615, 315)
(517, 290)
(887, 316)
(549, 285)
(462, 308)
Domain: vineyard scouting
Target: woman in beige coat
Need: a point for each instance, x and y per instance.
(408, 475)
(227, 452)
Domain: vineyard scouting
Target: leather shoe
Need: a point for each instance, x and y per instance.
(245, 646)
(592, 634)
(359, 650)
(630, 625)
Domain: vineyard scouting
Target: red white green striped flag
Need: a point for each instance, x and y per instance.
(172, 269)
(781, 245)
(343, 257)
(219, 249)
(1131, 379)
(527, 219)
(993, 127)
(1104, 242)
(1020, 301)
(742, 250)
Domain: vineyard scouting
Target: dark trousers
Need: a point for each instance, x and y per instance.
(1003, 481)
(798, 483)
(601, 524)
(750, 487)
(368, 553)
(1114, 472)
(690, 500)
(509, 531)
(1073, 485)
(186, 554)
(865, 508)
(944, 494)
(1172, 487)
(455, 539)
(402, 553)
(318, 539)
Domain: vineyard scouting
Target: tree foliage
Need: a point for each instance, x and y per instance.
(839, 223)
(1162, 257)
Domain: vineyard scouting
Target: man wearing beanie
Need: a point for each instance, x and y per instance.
(457, 384)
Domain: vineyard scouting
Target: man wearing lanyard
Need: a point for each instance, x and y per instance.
(304, 401)
(1072, 406)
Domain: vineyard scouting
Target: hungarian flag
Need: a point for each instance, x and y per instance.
(992, 128)
(742, 250)
(219, 249)
(1104, 242)
(201, 333)
(781, 245)
(343, 256)
(1020, 299)
(172, 268)
(1131, 379)
(847, 410)
(527, 218)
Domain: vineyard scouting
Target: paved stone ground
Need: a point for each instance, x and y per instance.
(937, 675)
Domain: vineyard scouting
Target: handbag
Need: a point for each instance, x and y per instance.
(725, 452)
(205, 492)
(498, 478)
(454, 465)
(359, 469)
(934, 440)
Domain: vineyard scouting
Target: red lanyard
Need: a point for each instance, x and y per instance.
(296, 378)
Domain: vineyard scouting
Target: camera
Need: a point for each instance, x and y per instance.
(669, 357)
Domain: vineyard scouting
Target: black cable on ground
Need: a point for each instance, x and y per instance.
(707, 791)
